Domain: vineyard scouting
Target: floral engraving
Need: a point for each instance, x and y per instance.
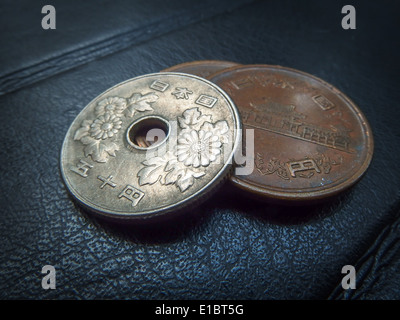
(140, 103)
(273, 166)
(193, 119)
(198, 148)
(112, 105)
(105, 126)
(198, 145)
(98, 135)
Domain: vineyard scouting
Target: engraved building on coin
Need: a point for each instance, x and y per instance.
(150, 146)
(311, 141)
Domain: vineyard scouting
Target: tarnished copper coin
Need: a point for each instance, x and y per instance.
(202, 68)
(310, 140)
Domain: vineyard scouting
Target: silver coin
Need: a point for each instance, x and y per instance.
(150, 146)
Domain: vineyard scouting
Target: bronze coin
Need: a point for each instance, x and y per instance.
(202, 68)
(310, 140)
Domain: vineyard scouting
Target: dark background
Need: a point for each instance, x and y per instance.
(230, 247)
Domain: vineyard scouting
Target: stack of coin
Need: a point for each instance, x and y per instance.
(159, 143)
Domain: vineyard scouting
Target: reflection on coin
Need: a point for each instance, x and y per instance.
(202, 68)
(112, 168)
(310, 140)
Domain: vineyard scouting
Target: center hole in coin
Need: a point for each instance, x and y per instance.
(147, 132)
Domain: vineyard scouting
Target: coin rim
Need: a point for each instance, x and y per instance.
(199, 62)
(197, 197)
(269, 192)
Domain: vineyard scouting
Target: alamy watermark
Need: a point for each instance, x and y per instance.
(349, 280)
(49, 280)
(349, 20)
(49, 20)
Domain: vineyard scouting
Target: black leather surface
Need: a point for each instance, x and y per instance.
(230, 247)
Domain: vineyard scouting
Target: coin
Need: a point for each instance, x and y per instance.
(310, 140)
(116, 171)
(202, 68)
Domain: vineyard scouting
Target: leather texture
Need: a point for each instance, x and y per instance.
(230, 247)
